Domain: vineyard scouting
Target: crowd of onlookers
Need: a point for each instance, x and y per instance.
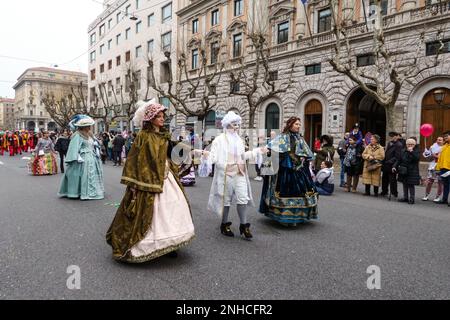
(362, 158)
(115, 146)
(398, 161)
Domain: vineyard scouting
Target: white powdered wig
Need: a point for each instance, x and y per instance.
(141, 105)
(229, 118)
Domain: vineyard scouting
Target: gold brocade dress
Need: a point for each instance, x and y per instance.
(157, 220)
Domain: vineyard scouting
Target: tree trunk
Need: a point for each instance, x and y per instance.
(390, 120)
(251, 120)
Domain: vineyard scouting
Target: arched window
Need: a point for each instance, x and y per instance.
(210, 120)
(272, 117)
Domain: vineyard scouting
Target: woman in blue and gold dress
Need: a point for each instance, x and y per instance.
(289, 196)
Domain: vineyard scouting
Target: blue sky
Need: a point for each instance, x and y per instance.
(48, 31)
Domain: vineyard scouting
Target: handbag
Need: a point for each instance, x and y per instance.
(373, 165)
(402, 170)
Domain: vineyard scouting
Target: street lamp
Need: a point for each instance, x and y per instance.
(439, 96)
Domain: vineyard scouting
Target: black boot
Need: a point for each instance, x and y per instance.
(226, 230)
(375, 191)
(367, 193)
(245, 230)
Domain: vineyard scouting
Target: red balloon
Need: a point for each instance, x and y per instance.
(426, 130)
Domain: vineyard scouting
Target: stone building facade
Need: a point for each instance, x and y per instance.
(6, 114)
(30, 113)
(121, 40)
(326, 101)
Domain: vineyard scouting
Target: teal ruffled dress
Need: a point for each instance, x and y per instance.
(83, 177)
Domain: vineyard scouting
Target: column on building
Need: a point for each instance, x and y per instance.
(301, 24)
(348, 11)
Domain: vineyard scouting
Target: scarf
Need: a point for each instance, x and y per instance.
(349, 156)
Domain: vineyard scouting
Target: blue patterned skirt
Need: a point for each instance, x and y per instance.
(289, 196)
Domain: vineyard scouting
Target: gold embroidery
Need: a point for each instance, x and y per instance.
(141, 183)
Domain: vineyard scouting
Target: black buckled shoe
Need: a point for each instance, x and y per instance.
(244, 229)
(226, 230)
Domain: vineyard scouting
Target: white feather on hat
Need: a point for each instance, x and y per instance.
(139, 115)
(229, 118)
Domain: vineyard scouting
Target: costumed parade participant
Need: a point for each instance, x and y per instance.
(17, 140)
(290, 195)
(231, 182)
(25, 141)
(2, 143)
(30, 141)
(10, 143)
(83, 177)
(44, 162)
(187, 175)
(154, 217)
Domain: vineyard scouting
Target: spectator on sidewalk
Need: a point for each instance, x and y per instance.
(325, 152)
(408, 170)
(62, 145)
(357, 133)
(443, 167)
(324, 180)
(373, 155)
(342, 149)
(393, 154)
(353, 163)
(432, 154)
(117, 146)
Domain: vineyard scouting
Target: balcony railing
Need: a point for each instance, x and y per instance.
(389, 21)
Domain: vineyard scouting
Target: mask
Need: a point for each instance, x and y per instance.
(234, 127)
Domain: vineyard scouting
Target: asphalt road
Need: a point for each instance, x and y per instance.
(41, 236)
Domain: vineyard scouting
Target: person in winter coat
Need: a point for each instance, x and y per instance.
(392, 155)
(342, 149)
(373, 155)
(118, 144)
(408, 170)
(62, 145)
(326, 152)
(353, 163)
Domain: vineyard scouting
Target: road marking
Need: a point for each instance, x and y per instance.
(1, 163)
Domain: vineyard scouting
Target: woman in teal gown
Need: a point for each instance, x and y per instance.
(83, 178)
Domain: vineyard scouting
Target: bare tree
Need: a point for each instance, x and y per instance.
(102, 107)
(190, 84)
(62, 106)
(257, 80)
(133, 82)
(395, 62)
